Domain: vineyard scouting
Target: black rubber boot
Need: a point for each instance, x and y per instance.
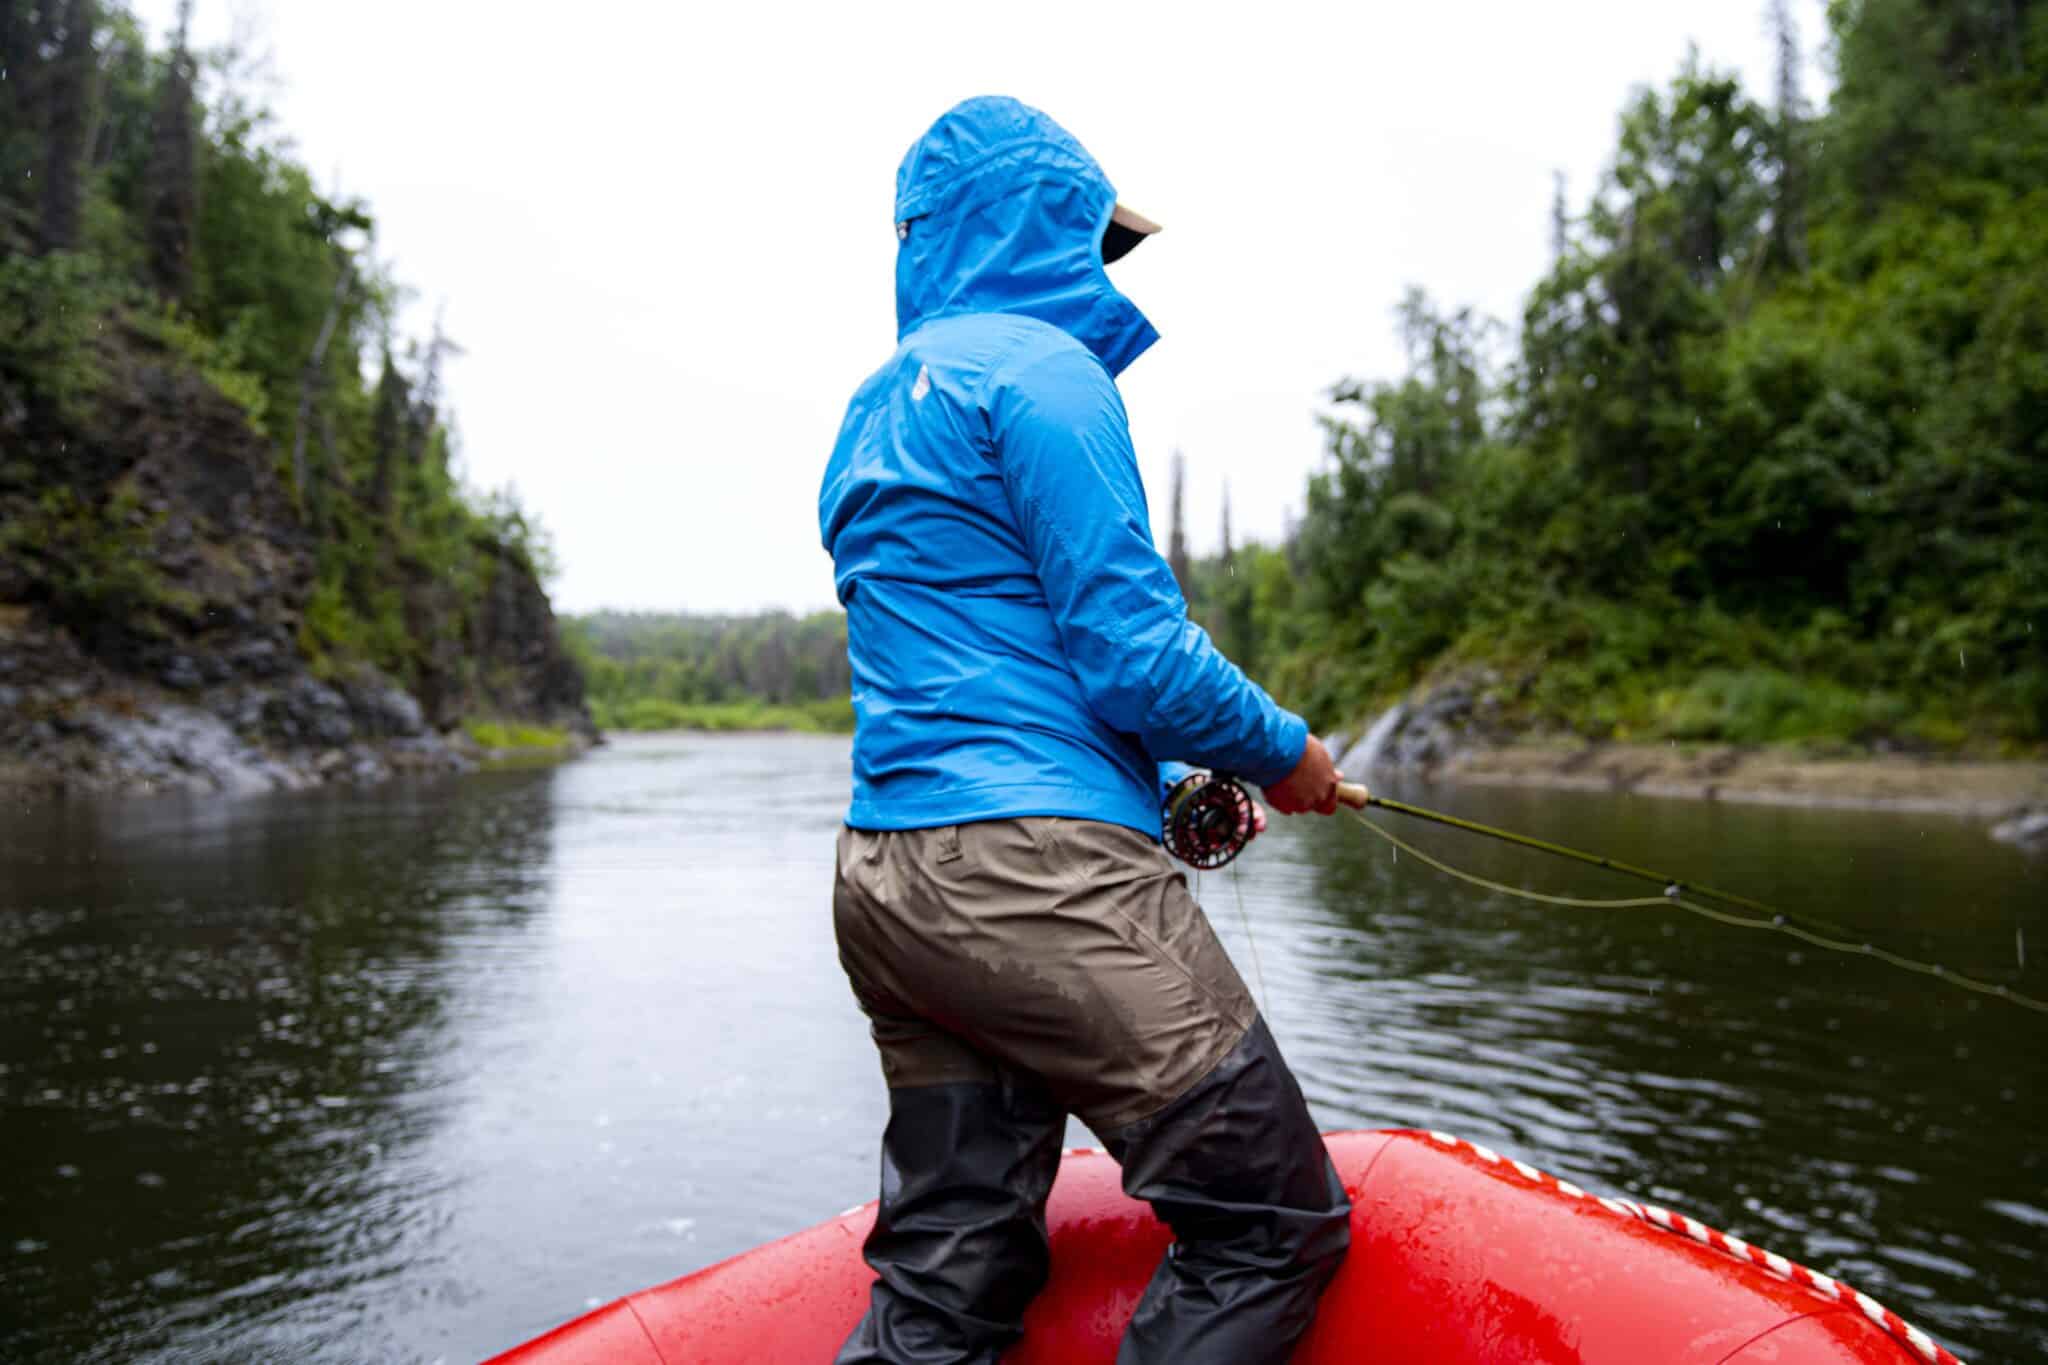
(959, 1240)
(1237, 1169)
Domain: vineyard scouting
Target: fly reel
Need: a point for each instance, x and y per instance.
(1208, 821)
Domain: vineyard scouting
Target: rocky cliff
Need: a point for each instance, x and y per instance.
(155, 575)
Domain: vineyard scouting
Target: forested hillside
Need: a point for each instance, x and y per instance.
(229, 528)
(668, 670)
(1766, 458)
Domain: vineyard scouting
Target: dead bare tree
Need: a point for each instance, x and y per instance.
(426, 413)
(310, 377)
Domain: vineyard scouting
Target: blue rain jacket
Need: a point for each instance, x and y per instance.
(1018, 645)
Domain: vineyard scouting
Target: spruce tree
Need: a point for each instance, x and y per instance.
(173, 182)
(1788, 220)
(389, 424)
(70, 81)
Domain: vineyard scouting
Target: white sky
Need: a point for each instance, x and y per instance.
(662, 232)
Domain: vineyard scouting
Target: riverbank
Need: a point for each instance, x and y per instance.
(657, 715)
(1984, 789)
(287, 736)
(1458, 732)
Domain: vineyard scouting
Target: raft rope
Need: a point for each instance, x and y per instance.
(1775, 920)
(1833, 1290)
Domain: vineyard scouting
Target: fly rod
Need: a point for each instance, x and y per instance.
(1356, 796)
(1209, 822)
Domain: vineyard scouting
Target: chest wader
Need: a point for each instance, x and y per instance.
(1016, 971)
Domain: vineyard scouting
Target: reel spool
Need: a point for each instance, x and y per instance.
(1208, 821)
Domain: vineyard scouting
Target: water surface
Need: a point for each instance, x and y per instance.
(413, 1073)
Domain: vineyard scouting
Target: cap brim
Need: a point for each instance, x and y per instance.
(1127, 227)
(1127, 217)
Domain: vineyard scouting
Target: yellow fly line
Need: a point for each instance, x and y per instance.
(1764, 917)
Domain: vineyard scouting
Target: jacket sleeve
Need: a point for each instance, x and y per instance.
(1064, 447)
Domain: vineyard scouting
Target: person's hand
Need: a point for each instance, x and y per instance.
(1312, 786)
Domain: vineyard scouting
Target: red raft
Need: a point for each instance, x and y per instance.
(1457, 1255)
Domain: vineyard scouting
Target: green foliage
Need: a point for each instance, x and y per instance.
(513, 736)
(219, 359)
(1763, 469)
(51, 310)
(502, 520)
(266, 260)
(1762, 706)
(351, 617)
(95, 559)
(661, 671)
(654, 713)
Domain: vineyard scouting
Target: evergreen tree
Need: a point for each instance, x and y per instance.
(20, 123)
(1788, 218)
(425, 413)
(70, 86)
(390, 435)
(173, 182)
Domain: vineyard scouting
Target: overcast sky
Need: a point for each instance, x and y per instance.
(662, 233)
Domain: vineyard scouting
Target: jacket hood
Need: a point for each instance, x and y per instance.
(1000, 210)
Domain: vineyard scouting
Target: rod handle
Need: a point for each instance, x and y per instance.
(1354, 795)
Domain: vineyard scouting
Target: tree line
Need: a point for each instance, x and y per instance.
(676, 670)
(1766, 458)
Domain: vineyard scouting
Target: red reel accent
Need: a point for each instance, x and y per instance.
(1209, 822)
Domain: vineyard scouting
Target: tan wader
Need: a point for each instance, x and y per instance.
(1015, 971)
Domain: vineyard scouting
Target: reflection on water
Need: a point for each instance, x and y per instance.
(413, 1073)
(223, 1034)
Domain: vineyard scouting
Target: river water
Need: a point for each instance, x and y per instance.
(413, 1073)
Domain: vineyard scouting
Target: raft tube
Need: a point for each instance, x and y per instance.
(1458, 1256)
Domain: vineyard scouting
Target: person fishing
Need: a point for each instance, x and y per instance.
(1026, 685)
